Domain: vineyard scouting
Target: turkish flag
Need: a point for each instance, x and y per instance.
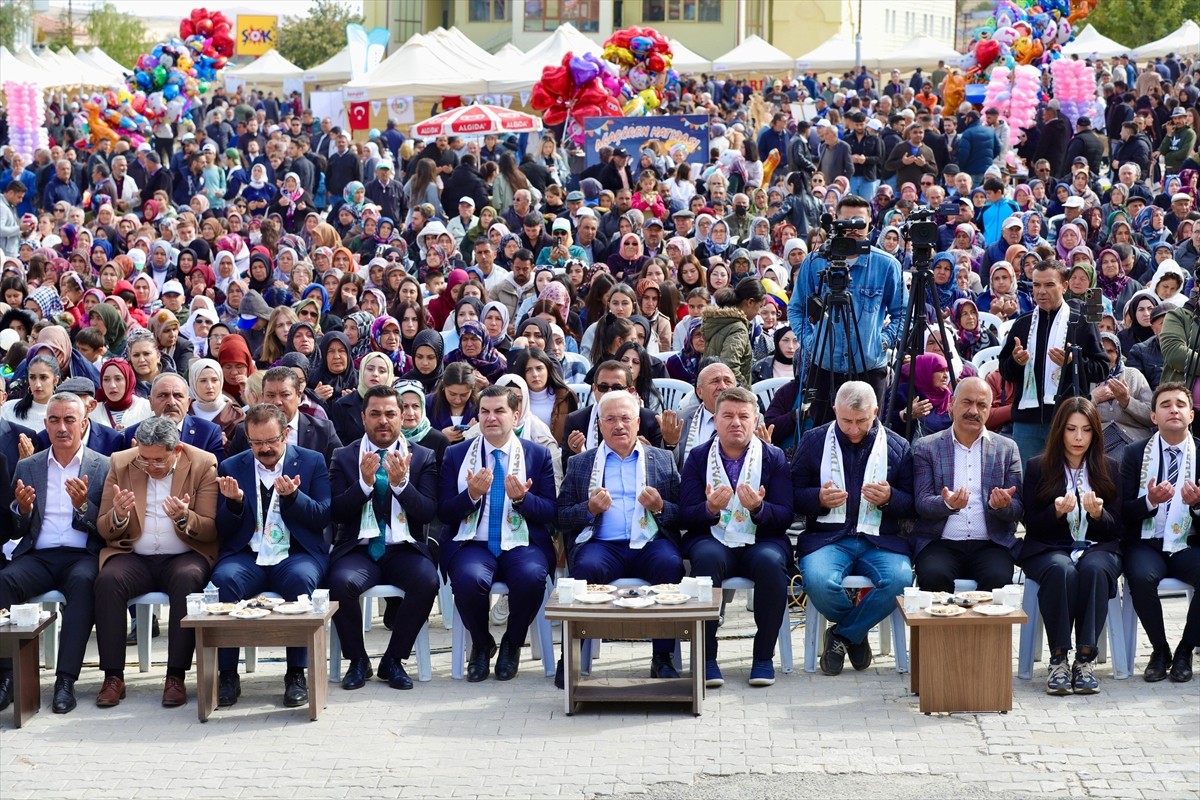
(360, 116)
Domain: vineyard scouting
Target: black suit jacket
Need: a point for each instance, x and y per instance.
(100, 438)
(419, 497)
(197, 432)
(313, 434)
(10, 434)
(578, 421)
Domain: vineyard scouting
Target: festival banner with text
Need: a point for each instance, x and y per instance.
(688, 134)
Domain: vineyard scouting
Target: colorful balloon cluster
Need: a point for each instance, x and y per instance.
(580, 87)
(166, 81)
(1023, 32)
(1017, 101)
(26, 118)
(1074, 88)
(643, 56)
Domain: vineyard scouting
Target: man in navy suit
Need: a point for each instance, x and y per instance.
(273, 511)
(582, 431)
(385, 493)
(967, 490)
(97, 438)
(496, 498)
(10, 441)
(169, 397)
(57, 494)
(281, 388)
(619, 511)
(736, 505)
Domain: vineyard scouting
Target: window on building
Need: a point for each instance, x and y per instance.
(754, 21)
(409, 19)
(548, 15)
(489, 11)
(684, 10)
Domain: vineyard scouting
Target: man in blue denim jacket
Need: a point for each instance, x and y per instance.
(880, 298)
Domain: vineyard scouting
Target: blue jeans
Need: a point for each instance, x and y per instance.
(824, 570)
(863, 188)
(1030, 438)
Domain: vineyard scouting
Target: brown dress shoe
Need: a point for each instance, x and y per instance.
(111, 693)
(174, 692)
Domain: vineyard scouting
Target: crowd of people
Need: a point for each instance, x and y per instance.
(256, 353)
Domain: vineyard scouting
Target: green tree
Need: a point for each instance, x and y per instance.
(13, 17)
(121, 35)
(1136, 22)
(309, 40)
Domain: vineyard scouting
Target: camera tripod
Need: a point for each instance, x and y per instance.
(834, 310)
(912, 336)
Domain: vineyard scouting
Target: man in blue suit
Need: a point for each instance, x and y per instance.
(967, 490)
(281, 388)
(385, 493)
(619, 511)
(169, 398)
(736, 504)
(496, 498)
(97, 438)
(273, 510)
(10, 441)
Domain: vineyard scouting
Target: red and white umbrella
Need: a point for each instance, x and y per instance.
(477, 120)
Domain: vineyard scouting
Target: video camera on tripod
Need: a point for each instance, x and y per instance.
(922, 232)
(837, 250)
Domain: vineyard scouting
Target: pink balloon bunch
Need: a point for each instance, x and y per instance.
(1015, 95)
(26, 118)
(1074, 87)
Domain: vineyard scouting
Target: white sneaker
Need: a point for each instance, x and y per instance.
(499, 613)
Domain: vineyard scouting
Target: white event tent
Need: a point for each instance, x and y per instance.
(1090, 42)
(1184, 40)
(522, 75)
(684, 60)
(333, 70)
(270, 67)
(920, 51)
(418, 68)
(755, 55)
(835, 53)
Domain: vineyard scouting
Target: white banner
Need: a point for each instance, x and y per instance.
(401, 109)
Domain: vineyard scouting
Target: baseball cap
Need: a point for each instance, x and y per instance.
(1074, 202)
(824, 123)
(172, 287)
(144, 147)
(561, 224)
(188, 137)
(1160, 311)
(652, 221)
(1014, 222)
(1079, 160)
(387, 165)
(874, 124)
(621, 151)
(469, 201)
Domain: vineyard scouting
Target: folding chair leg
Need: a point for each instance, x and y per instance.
(145, 618)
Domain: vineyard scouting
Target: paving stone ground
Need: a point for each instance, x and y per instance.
(855, 735)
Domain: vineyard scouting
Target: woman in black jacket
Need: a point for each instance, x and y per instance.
(1071, 547)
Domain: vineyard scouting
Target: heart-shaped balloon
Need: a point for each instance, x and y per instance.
(582, 70)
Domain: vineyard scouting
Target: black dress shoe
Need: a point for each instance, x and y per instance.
(559, 678)
(154, 632)
(663, 666)
(860, 654)
(358, 673)
(64, 695)
(480, 663)
(508, 661)
(399, 679)
(131, 639)
(295, 689)
(1181, 665)
(1156, 670)
(6, 690)
(229, 689)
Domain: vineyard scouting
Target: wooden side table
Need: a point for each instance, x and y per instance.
(584, 621)
(275, 630)
(962, 663)
(21, 645)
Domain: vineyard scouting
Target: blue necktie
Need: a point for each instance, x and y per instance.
(496, 503)
(379, 499)
(1172, 466)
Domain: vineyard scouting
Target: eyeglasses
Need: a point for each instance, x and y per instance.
(265, 442)
(624, 420)
(603, 388)
(927, 183)
(145, 464)
(394, 259)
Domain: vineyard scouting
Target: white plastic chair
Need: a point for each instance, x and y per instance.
(1130, 619)
(540, 636)
(989, 320)
(663, 355)
(1033, 633)
(984, 370)
(672, 391)
(786, 661)
(985, 355)
(765, 390)
(814, 629)
(583, 393)
(50, 602)
(424, 660)
(145, 616)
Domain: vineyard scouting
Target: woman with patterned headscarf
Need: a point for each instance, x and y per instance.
(476, 348)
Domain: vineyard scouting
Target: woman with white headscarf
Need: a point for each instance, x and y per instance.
(209, 403)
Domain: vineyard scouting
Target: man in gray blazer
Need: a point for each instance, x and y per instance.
(57, 499)
(967, 486)
(682, 434)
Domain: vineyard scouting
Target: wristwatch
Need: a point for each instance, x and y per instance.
(182, 521)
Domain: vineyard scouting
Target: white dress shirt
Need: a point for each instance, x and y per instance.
(57, 530)
(159, 535)
(969, 523)
(481, 529)
(293, 431)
